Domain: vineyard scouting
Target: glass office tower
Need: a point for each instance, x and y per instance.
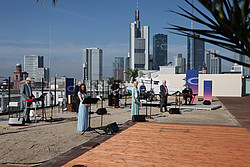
(160, 50)
(92, 64)
(195, 53)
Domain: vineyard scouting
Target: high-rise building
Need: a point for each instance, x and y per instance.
(236, 67)
(243, 58)
(118, 67)
(195, 53)
(180, 64)
(139, 44)
(127, 60)
(213, 62)
(247, 69)
(239, 68)
(92, 63)
(43, 73)
(150, 62)
(215, 65)
(160, 50)
(31, 65)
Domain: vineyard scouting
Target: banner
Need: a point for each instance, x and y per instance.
(69, 86)
(207, 91)
(193, 81)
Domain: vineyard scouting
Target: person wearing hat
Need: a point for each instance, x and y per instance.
(26, 93)
(77, 102)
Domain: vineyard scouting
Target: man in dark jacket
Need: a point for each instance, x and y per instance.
(76, 96)
(164, 96)
(115, 89)
(187, 93)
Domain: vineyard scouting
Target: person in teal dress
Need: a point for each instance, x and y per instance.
(135, 100)
(83, 112)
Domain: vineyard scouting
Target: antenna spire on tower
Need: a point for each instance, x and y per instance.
(137, 13)
(137, 5)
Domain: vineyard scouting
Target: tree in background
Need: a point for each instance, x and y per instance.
(132, 73)
(113, 79)
(228, 28)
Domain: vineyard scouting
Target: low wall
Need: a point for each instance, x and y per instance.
(227, 85)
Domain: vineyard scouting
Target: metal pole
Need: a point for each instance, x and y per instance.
(42, 100)
(97, 92)
(97, 87)
(9, 95)
(90, 88)
(55, 93)
(150, 99)
(2, 105)
(102, 92)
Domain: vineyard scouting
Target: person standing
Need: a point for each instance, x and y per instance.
(142, 88)
(77, 100)
(187, 93)
(26, 93)
(115, 88)
(135, 100)
(83, 113)
(164, 96)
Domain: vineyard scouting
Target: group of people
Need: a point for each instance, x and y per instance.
(136, 94)
(187, 94)
(82, 108)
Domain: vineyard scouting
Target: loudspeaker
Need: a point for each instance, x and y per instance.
(206, 102)
(138, 118)
(101, 111)
(111, 128)
(174, 111)
(16, 121)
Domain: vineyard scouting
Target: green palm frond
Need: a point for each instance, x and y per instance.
(132, 73)
(228, 28)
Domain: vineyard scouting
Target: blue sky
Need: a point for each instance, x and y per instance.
(75, 25)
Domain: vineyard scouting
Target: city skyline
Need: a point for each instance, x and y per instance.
(26, 26)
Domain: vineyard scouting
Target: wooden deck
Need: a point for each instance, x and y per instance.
(153, 144)
(238, 107)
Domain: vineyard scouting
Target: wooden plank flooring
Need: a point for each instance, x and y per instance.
(153, 144)
(238, 107)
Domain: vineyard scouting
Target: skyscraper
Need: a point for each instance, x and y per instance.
(180, 64)
(127, 60)
(92, 64)
(139, 44)
(32, 64)
(195, 53)
(118, 67)
(247, 69)
(160, 50)
(43, 73)
(213, 62)
(239, 68)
